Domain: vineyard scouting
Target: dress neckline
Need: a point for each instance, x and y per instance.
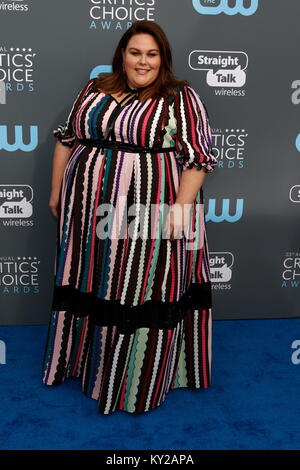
(123, 99)
(118, 102)
(128, 90)
(135, 90)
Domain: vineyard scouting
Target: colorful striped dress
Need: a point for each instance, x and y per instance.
(131, 316)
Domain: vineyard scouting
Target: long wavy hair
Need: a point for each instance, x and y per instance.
(165, 83)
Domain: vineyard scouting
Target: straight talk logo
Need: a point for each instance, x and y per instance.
(14, 6)
(223, 69)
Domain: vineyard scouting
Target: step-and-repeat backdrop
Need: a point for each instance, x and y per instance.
(241, 57)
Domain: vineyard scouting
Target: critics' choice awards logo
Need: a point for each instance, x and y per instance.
(223, 68)
(291, 269)
(120, 14)
(229, 147)
(15, 202)
(220, 266)
(228, 7)
(16, 140)
(19, 275)
(16, 68)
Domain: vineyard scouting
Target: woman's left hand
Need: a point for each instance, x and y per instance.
(177, 221)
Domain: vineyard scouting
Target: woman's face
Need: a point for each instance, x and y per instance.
(141, 60)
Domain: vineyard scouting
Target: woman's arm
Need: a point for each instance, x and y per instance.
(190, 183)
(65, 139)
(179, 216)
(61, 156)
(193, 140)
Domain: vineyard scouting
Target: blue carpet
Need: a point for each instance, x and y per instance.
(253, 402)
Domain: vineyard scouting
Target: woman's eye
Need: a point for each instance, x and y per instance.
(151, 54)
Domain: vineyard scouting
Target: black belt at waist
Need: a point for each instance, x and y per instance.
(127, 147)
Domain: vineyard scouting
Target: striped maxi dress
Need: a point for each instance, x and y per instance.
(131, 317)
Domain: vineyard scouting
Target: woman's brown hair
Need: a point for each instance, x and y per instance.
(164, 85)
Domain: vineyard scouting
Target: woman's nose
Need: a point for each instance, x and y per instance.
(143, 60)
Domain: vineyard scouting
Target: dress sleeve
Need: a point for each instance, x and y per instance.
(193, 139)
(66, 133)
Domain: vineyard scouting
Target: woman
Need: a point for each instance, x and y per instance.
(131, 315)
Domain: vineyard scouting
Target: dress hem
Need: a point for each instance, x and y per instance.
(86, 394)
(150, 314)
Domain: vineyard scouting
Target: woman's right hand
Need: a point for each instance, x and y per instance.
(54, 201)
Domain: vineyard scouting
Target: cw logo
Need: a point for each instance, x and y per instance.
(224, 216)
(215, 7)
(18, 144)
(100, 69)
